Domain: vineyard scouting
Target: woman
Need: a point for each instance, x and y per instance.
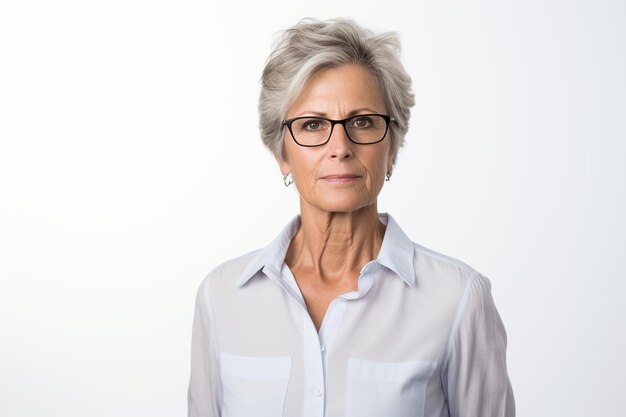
(342, 314)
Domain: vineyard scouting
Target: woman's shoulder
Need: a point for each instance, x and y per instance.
(445, 270)
(230, 271)
(428, 265)
(425, 254)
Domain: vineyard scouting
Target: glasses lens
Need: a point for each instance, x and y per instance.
(310, 131)
(367, 128)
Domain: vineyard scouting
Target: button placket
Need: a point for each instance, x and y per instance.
(314, 369)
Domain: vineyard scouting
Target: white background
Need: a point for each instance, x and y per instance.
(131, 164)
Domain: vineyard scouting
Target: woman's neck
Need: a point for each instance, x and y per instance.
(335, 246)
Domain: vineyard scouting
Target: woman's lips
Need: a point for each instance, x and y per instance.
(340, 178)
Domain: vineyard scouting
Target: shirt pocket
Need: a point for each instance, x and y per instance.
(254, 386)
(384, 389)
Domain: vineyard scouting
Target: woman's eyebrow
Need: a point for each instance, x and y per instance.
(362, 110)
(311, 113)
(323, 114)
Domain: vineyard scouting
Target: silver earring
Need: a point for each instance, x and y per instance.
(387, 176)
(287, 179)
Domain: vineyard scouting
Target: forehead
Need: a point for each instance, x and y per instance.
(339, 91)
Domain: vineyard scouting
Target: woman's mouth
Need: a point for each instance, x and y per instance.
(340, 178)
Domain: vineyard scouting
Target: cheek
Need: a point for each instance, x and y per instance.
(379, 175)
(303, 167)
(380, 164)
(377, 169)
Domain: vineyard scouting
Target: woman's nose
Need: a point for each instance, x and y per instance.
(339, 145)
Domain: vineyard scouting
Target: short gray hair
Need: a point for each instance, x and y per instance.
(312, 45)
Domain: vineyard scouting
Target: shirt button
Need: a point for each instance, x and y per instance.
(323, 348)
(319, 392)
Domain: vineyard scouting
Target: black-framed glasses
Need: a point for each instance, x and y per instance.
(363, 129)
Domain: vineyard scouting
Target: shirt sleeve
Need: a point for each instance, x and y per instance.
(204, 394)
(475, 379)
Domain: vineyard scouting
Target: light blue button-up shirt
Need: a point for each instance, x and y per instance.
(420, 337)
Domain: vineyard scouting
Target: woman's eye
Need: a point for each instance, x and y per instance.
(312, 125)
(361, 122)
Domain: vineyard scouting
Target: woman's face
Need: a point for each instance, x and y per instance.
(340, 176)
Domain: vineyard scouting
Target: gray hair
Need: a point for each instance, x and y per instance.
(312, 45)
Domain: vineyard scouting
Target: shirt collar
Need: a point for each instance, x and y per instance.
(270, 259)
(396, 252)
